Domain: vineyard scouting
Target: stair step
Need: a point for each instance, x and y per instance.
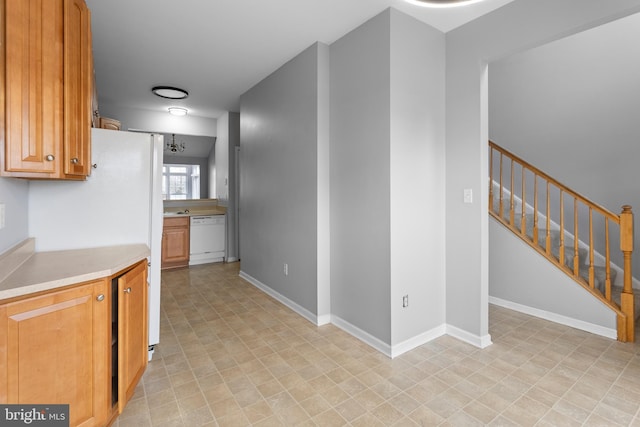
(569, 251)
(600, 276)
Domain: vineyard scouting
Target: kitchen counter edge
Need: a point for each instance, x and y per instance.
(44, 271)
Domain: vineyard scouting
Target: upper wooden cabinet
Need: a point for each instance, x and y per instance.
(45, 89)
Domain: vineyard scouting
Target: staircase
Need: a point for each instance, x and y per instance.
(569, 230)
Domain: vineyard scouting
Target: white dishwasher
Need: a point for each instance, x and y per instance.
(207, 239)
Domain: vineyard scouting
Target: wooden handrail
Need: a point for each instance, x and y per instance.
(538, 172)
(596, 279)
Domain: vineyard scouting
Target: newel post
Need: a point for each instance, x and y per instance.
(627, 301)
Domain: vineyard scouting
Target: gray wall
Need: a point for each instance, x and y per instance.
(571, 108)
(14, 194)
(515, 27)
(278, 201)
(387, 177)
(417, 240)
(360, 178)
(204, 169)
(511, 262)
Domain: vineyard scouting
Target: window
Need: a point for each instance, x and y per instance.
(180, 182)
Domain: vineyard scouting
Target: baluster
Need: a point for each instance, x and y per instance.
(523, 223)
(491, 178)
(561, 251)
(592, 277)
(576, 258)
(501, 190)
(548, 237)
(535, 208)
(627, 302)
(607, 287)
(511, 203)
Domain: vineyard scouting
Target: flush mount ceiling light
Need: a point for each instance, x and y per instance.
(170, 92)
(442, 3)
(177, 111)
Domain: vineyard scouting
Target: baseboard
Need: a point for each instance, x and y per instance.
(231, 259)
(284, 300)
(363, 336)
(418, 340)
(475, 340)
(557, 318)
(324, 319)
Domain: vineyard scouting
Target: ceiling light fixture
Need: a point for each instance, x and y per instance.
(173, 146)
(177, 111)
(442, 3)
(169, 92)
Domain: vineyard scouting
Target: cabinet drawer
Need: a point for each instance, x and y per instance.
(176, 221)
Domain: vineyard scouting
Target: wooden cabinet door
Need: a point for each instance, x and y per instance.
(78, 69)
(55, 351)
(32, 87)
(133, 338)
(175, 242)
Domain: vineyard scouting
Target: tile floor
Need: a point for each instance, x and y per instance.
(231, 356)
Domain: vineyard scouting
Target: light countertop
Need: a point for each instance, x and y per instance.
(42, 271)
(195, 212)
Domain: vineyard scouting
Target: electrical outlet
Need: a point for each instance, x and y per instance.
(2, 212)
(286, 269)
(405, 301)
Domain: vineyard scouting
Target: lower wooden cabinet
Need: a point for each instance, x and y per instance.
(132, 331)
(175, 242)
(59, 347)
(53, 348)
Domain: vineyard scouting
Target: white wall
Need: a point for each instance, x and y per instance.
(515, 27)
(221, 149)
(14, 194)
(360, 178)
(279, 121)
(160, 122)
(225, 174)
(417, 217)
(571, 108)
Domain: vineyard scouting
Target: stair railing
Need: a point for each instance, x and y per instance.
(504, 177)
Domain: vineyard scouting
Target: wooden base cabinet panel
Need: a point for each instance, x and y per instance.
(84, 345)
(54, 351)
(175, 242)
(132, 331)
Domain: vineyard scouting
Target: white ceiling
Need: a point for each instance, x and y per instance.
(218, 49)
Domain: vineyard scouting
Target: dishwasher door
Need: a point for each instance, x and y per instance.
(207, 239)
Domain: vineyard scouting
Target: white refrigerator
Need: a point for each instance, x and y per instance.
(120, 203)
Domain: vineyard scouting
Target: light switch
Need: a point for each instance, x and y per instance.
(468, 195)
(1, 215)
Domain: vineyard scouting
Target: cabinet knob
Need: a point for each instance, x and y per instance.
(74, 161)
(100, 297)
(49, 157)
(127, 291)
